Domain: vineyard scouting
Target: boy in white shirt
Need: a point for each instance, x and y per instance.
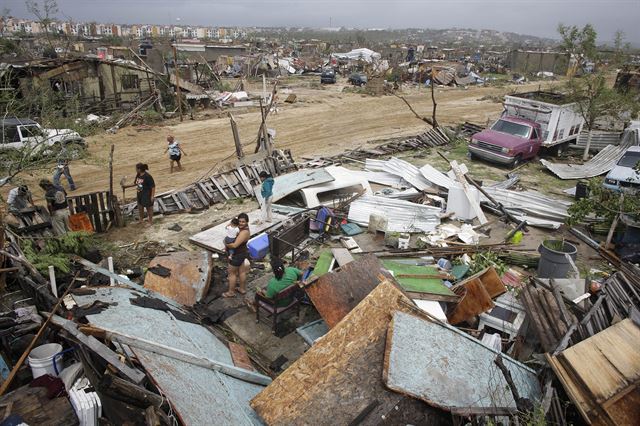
(232, 232)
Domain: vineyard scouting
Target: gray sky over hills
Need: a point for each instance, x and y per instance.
(539, 17)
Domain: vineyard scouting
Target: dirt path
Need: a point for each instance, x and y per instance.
(323, 121)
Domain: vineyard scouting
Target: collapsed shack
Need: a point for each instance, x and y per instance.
(89, 85)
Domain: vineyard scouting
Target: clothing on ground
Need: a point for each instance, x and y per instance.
(275, 286)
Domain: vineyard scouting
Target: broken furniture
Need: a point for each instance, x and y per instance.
(476, 294)
(421, 282)
(33, 221)
(288, 237)
(35, 408)
(189, 278)
(289, 298)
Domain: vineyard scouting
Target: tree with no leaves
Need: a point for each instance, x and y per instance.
(44, 13)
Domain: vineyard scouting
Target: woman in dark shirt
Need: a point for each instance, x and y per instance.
(237, 271)
(146, 188)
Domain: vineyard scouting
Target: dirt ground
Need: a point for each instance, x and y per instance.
(324, 120)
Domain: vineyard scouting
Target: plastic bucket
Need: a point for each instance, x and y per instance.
(41, 360)
(554, 263)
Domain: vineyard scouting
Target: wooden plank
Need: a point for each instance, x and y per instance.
(342, 256)
(98, 225)
(340, 374)
(245, 180)
(335, 294)
(465, 187)
(99, 349)
(224, 178)
(240, 356)
(217, 185)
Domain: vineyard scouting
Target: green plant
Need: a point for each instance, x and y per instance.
(56, 251)
(485, 259)
(603, 203)
(556, 245)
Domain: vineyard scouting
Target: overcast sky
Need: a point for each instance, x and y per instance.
(539, 17)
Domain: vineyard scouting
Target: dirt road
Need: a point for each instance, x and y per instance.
(323, 121)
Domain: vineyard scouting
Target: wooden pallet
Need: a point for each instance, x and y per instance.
(96, 206)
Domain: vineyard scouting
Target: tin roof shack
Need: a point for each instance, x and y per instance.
(90, 84)
(531, 62)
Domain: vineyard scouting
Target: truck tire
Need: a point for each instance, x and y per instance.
(516, 161)
(560, 149)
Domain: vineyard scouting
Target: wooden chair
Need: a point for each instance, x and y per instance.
(271, 308)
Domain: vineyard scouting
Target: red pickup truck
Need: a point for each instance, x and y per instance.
(509, 141)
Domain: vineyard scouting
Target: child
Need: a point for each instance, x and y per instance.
(232, 233)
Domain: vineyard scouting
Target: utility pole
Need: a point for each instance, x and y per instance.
(178, 92)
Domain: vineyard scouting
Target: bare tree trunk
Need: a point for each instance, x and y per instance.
(585, 156)
(435, 104)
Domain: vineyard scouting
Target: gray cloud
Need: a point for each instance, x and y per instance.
(539, 17)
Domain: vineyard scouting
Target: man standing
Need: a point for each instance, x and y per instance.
(19, 199)
(57, 204)
(267, 196)
(63, 169)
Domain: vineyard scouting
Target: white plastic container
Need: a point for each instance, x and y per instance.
(403, 241)
(458, 203)
(41, 360)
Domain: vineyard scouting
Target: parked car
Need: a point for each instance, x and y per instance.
(328, 76)
(625, 175)
(20, 133)
(358, 79)
(509, 141)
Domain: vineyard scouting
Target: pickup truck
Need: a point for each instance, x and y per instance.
(509, 141)
(21, 133)
(530, 121)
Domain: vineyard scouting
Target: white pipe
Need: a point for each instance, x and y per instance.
(52, 280)
(112, 281)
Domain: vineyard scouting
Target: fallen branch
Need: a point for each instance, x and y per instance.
(427, 120)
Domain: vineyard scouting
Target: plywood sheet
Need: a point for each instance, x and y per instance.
(339, 376)
(603, 371)
(449, 369)
(213, 238)
(490, 280)
(335, 294)
(189, 279)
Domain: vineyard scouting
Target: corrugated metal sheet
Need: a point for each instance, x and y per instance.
(382, 178)
(408, 172)
(198, 395)
(402, 216)
(449, 369)
(598, 165)
(374, 165)
(292, 182)
(538, 209)
(436, 177)
(599, 140)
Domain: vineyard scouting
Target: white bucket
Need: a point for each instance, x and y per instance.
(41, 360)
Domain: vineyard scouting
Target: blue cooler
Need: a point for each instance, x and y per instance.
(258, 246)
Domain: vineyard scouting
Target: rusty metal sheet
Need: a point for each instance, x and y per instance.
(449, 369)
(335, 294)
(189, 279)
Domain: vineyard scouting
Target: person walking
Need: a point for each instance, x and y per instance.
(56, 198)
(175, 152)
(237, 269)
(146, 188)
(266, 190)
(62, 168)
